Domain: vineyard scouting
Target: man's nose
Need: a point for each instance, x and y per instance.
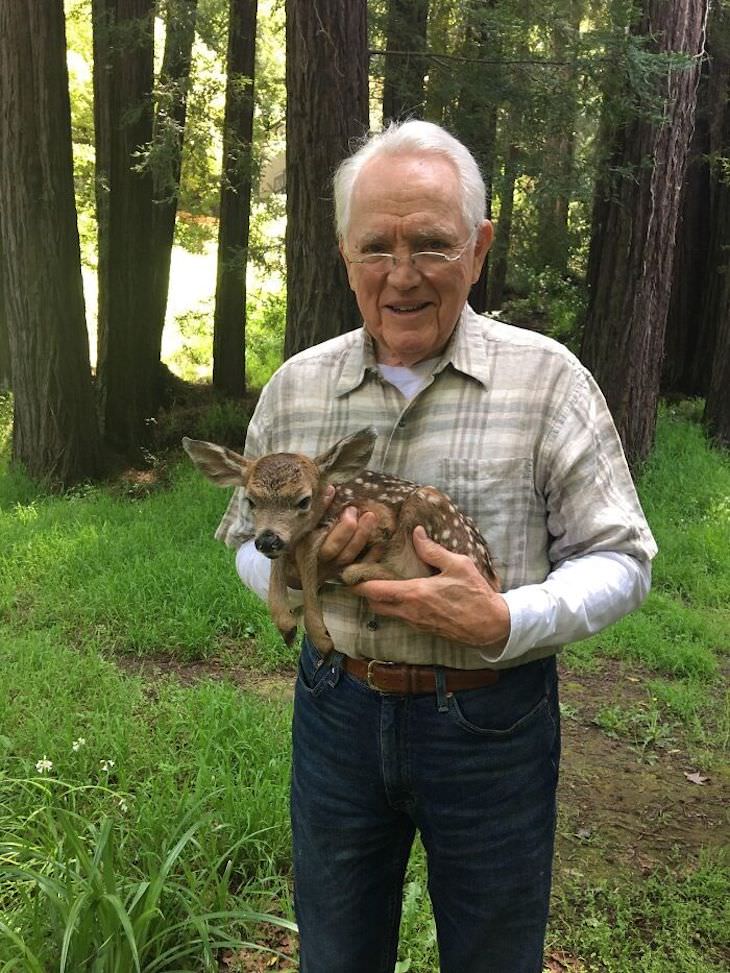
(403, 272)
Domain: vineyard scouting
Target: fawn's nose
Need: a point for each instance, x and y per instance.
(269, 543)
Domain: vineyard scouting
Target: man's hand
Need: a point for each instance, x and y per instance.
(457, 603)
(346, 538)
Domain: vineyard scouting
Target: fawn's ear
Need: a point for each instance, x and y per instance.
(221, 465)
(348, 457)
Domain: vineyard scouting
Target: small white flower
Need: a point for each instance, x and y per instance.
(44, 765)
(106, 765)
(123, 806)
(78, 744)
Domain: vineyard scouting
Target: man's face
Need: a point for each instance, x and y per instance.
(403, 205)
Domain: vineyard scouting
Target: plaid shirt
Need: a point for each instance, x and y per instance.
(509, 424)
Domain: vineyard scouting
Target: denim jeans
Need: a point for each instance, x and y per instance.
(475, 772)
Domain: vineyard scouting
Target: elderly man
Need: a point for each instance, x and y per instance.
(513, 427)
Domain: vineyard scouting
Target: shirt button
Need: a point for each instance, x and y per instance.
(401, 423)
(372, 624)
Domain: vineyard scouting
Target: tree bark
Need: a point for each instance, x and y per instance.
(406, 30)
(503, 231)
(327, 107)
(128, 360)
(715, 319)
(167, 146)
(229, 331)
(634, 223)
(5, 373)
(55, 434)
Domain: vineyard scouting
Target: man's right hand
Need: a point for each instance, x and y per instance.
(346, 539)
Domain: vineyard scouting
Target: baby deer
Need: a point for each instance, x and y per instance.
(286, 494)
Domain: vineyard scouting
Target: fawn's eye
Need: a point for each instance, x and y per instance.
(305, 503)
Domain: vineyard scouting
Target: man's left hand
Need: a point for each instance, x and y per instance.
(458, 603)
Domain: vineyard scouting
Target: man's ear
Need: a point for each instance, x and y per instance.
(485, 238)
(221, 465)
(348, 457)
(348, 265)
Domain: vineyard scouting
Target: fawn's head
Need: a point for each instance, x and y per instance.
(285, 491)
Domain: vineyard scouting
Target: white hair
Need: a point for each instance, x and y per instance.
(412, 137)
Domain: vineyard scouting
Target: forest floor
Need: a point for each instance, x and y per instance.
(635, 794)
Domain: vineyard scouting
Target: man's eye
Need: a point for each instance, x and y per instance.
(436, 245)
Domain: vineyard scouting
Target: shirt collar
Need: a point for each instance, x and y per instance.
(466, 352)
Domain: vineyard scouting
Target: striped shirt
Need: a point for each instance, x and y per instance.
(509, 424)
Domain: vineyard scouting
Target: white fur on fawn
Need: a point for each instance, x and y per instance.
(286, 496)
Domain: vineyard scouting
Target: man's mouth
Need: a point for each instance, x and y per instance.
(411, 308)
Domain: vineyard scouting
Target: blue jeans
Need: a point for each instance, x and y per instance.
(475, 772)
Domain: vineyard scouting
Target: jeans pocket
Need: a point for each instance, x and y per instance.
(313, 670)
(475, 711)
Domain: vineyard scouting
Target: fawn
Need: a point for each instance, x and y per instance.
(285, 493)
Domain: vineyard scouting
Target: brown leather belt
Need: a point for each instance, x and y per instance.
(402, 679)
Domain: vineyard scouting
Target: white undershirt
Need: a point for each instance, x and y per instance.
(576, 600)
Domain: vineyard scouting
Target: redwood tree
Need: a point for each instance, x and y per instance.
(55, 434)
(406, 67)
(634, 223)
(128, 359)
(229, 332)
(327, 106)
(166, 150)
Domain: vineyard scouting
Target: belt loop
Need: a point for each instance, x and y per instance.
(334, 664)
(441, 698)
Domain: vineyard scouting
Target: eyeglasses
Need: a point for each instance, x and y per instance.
(425, 261)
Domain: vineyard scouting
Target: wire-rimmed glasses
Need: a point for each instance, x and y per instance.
(425, 261)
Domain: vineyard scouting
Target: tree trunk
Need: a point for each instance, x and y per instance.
(128, 361)
(696, 307)
(406, 30)
(55, 434)
(556, 179)
(5, 373)
(167, 146)
(715, 319)
(634, 224)
(503, 231)
(229, 332)
(475, 121)
(327, 106)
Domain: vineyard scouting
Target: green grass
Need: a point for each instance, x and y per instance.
(195, 803)
(155, 765)
(140, 577)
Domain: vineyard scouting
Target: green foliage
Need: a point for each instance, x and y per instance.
(551, 304)
(674, 920)
(144, 826)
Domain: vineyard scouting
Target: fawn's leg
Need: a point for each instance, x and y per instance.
(308, 565)
(279, 601)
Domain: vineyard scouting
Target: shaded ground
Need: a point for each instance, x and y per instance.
(626, 800)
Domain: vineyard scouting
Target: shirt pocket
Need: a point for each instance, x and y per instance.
(500, 496)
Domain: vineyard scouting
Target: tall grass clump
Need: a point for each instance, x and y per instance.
(135, 820)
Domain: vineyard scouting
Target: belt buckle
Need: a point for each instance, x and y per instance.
(370, 674)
